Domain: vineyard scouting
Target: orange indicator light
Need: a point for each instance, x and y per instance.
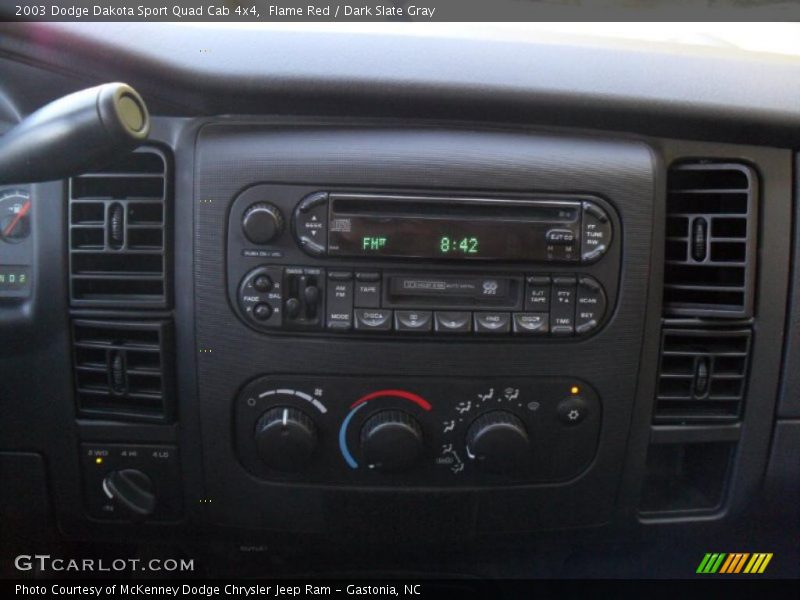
(98, 460)
(574, 390)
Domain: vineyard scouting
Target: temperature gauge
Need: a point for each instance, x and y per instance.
(15, 207)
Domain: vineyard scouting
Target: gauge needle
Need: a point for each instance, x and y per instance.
(22, 212)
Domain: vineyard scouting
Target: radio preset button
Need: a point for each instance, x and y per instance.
(591, 305)
(596, 232)
(492, 322)
(368, 319)
(537, 293)
(339, 306)
(413, 320)
(531, 323)
(311, 223)
(453, 322)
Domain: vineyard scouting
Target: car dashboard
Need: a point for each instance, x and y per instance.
(525, 306)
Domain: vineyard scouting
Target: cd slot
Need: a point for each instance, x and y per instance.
(423, 207)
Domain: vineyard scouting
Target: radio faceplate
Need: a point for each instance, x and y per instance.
(284, 279)
(463, 228)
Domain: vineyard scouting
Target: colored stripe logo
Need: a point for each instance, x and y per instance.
(734, 563)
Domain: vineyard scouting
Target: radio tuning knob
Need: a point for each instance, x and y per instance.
(262, 223)
(391, 440)
(286, 438)
(499, 442)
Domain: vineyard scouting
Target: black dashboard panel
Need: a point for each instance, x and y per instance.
(232, 157)
(686, 419)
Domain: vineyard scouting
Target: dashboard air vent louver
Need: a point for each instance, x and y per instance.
(710, 240)
(122, 370)
(118, 235)
(702, 376)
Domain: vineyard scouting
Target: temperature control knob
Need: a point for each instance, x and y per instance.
(285, 438)
(262, 223)
(391, 440)
(132, 489)
(499, 442)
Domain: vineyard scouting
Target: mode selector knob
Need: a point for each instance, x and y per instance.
(391, 440)
(286, 438)
(262, 223)
(499, 442)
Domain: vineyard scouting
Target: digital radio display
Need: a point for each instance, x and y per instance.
(495, 232)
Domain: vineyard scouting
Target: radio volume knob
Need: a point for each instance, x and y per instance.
(262, 223)
(391, 440)
(499, 442)
(286, 437)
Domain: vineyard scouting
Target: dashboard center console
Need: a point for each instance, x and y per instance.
(417, 315)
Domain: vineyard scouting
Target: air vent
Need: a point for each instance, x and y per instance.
(710, 240)
(703, 375)
(121, 369)
(118, 237)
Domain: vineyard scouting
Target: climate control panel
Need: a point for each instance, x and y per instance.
(422, 431)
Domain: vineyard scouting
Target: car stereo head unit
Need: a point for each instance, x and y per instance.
(389, 226)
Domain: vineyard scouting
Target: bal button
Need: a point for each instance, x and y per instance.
(573, 410)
